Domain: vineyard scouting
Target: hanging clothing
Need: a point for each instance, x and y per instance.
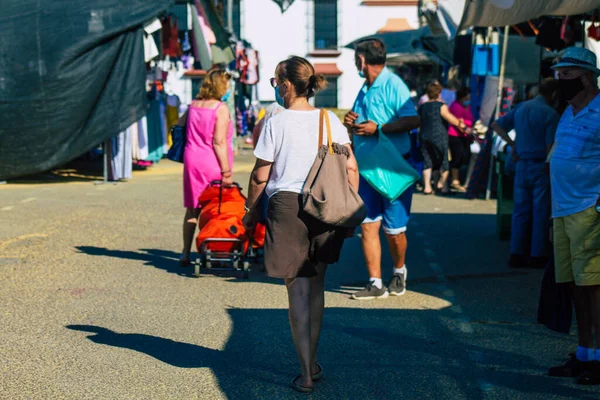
(120, 154)
(200, 45)
(155, 130)
(173, 104)
(200, 164)
(143, 139)
(170, 35)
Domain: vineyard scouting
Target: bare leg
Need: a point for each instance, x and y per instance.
(299, 314)
(427, 181)
(189, 228)
(398, 244)
(455, 176)
(372, 248)
(443, 183)
(583, 314)
(436, 178)
(317, 306)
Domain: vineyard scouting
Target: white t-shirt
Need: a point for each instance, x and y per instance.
(290, 141)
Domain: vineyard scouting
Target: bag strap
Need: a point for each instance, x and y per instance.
(325, 115)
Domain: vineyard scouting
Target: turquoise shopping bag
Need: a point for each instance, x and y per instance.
(385, 169)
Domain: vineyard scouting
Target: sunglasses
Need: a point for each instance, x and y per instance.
(273, 82)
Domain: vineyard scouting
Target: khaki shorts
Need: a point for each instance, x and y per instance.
(577, 248)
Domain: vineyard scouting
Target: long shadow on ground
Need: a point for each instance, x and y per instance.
(366, 354)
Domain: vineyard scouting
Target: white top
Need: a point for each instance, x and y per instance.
(289, 141)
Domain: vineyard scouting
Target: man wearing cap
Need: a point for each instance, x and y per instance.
(575, 185)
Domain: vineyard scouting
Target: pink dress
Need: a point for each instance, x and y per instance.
(200, 164)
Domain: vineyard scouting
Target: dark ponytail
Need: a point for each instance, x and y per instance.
(301, 74)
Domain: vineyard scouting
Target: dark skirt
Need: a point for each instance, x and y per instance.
(297, 245)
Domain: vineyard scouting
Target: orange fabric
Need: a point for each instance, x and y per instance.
(225, 222)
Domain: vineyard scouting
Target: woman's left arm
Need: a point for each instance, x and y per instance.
(256, 187)
(220, 140)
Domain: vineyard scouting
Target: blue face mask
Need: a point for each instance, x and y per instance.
(278, 98)
(361, 74)
(226, 96)
(467, 103)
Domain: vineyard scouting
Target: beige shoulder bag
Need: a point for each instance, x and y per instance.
(327, 195)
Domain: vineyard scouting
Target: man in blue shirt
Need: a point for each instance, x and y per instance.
(383, 105)
(575, 182)
(535, 123)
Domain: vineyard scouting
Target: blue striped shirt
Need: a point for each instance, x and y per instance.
(575, 164)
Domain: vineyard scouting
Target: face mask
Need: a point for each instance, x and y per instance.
(361, 73)
(278, 98)
(226, 96)
(467, 103)
(569, 88)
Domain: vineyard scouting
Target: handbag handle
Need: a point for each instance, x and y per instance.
(325, 115)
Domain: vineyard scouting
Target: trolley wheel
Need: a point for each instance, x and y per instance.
(207, 261)
(246, 268)
(197, 266)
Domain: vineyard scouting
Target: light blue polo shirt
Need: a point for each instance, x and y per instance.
(386, 100)
(575, 164)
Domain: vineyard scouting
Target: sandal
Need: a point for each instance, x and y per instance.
(458, 188)
(319, 374)
(427, 193)
(298, 388)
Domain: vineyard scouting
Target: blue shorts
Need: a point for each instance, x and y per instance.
(394, 214)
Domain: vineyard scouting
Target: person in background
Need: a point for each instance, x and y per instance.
(459, 143)
(534, 122)
(272, 110)
(449, 92)
(298, 248)
(208, 154)
(433, 137)
(575, 184)
(383, 105)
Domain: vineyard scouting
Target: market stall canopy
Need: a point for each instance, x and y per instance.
(284, 4)
(455, 15)
(413, 43)
(70, 77)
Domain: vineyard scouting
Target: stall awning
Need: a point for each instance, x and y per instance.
(415, 42)
(327, 69)
(462, 14)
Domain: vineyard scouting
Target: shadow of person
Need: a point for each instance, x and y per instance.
(177, 354)
(161, 259)
(366, 354)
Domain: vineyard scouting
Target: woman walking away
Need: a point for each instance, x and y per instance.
(298, 248)
(208, 154)
(460, 146)
(434, 137)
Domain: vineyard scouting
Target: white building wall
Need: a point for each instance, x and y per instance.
(277, 36)
(359, 21)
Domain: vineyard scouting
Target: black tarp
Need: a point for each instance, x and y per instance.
(72, 74)
(416, 41)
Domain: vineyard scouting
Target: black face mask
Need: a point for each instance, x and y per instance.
(569, 88)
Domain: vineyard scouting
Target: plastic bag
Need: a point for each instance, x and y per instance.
(386, 170)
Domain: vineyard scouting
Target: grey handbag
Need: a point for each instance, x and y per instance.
(327, 196)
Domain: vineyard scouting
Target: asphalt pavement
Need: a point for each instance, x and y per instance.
(95, 306)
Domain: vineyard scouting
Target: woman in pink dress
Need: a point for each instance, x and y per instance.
(208, 154)
(458, 142)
